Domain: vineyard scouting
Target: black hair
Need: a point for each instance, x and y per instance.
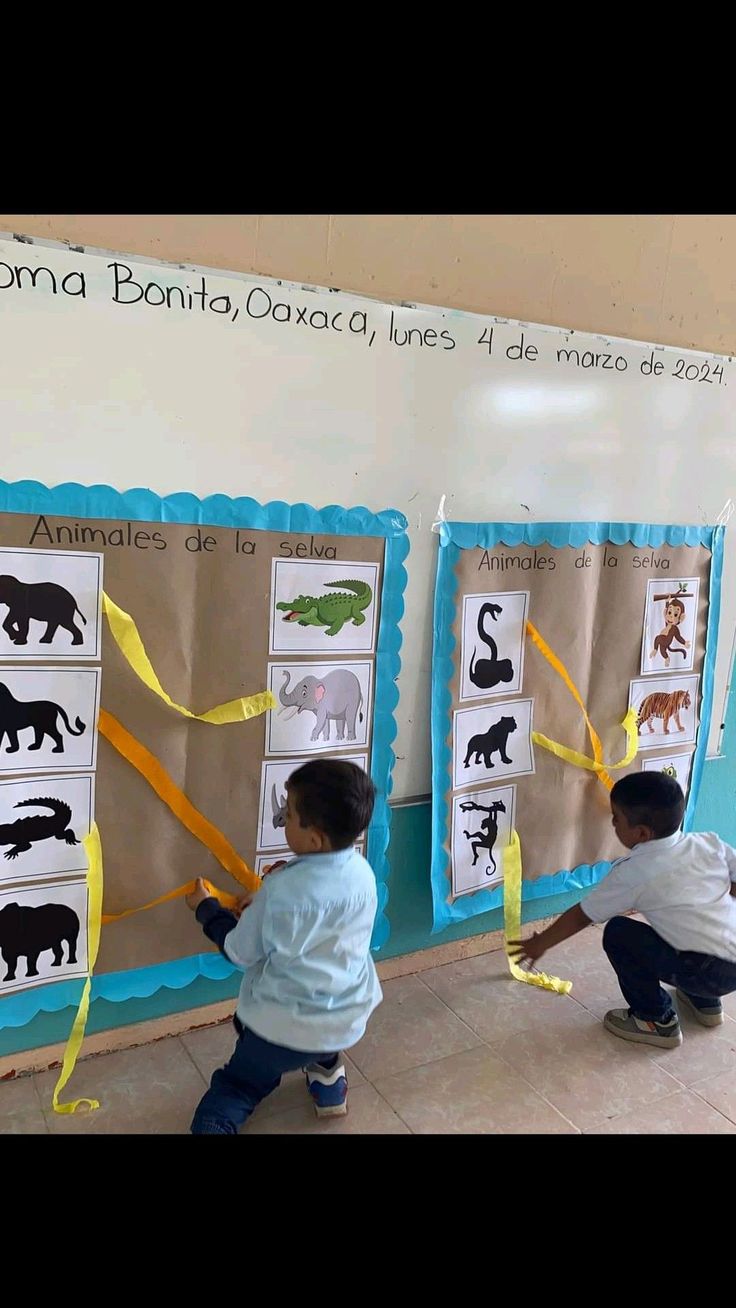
(334, 796)
(650, 799)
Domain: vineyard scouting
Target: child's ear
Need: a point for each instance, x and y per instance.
(644, 834)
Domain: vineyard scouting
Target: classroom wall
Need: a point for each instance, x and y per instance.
(667, 278)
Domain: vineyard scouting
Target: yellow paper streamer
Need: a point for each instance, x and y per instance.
(132, 648)
(93, 850)
(512, 920)
(629, 725)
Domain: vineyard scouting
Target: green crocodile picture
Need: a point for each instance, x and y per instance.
(330, 611)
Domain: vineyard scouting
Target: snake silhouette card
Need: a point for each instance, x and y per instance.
(48, 718)
(272, 806)
(43, 935)
(670, 618)
(482, 822)
(43, 821)
(493, 644)
(493, 741)
(50, 604)
(323, 607)
(667, 710)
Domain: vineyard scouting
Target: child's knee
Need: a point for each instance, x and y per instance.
(614, 932)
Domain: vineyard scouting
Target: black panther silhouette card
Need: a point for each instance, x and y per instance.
(50, 604)
(43, 821)
(493, 644)
(494, 741)
(48, 718)
(482, 822)
(43, 935)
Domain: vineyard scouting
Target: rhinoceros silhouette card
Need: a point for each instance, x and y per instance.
(50, 604)
(43, 821)
(325, 608)
(48, 718)
(43, 935)
(321, 707)
(272, 806)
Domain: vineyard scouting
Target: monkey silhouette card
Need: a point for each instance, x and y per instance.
(493, 644)
(48, 718)
(667, 710)
(272, 806)
(482, 822)
(43, 935)
(50, 604)
(321, 707)
(322, 607)
(670, 624)
(43, 821)
(676, 766)
(492, 741)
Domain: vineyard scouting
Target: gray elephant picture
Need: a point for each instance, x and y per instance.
(335, 697)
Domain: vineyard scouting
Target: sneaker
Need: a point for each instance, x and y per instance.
(621, 1022)
(328, 1090)
(710, 1016)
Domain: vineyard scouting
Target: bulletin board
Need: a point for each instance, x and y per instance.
(558, 646)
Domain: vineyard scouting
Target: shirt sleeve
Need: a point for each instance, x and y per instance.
(616, 893)
(245, 945)
(729, 853)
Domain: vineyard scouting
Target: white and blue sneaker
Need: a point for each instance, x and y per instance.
(328, 1089)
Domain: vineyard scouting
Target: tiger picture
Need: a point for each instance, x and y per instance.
(665, 705)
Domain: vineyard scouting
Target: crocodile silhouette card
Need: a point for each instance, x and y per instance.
(43, 935)
(492, 742)
(493, 644)
(667, 710)
(323, 607)
(43, 821)
(272, 806)
(48, 718)
(482, 822)
(322, 707)
(50, 604)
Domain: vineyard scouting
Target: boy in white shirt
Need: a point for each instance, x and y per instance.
(685, 886)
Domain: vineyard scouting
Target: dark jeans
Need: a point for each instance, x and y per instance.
(254, 1071)
(641, 959)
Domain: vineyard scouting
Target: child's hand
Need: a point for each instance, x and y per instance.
(527, 951)
(198, 895)
(243, 902)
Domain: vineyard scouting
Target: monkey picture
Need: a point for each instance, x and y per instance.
(669, 626)
(674, 612)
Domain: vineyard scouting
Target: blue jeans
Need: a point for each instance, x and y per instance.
(253, 1072)
(641, 959)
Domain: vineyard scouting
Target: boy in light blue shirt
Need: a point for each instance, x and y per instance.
(303, 941)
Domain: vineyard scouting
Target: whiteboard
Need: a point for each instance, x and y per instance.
(131, 372)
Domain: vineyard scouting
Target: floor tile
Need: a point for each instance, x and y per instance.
(585, 1072)
(720, 1091)
(705, 1051)
(20, 1108)
(412, 1026)
(212, 1046)
(482, 992)
(149, 1091)
(474, 1092)
(682, 1113)
(368, 1114)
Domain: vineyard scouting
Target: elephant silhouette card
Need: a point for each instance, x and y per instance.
(48, 718)
(493, 644)
(50, 604)
(272, 806)
(670, 621)
(43, 935)
(676, 766)
(321, 706)
(492, 742)
(43, 821)
(482, 822)
(667, 710)
(323, 608)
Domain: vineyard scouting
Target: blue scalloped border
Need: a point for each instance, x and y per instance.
(138, 504)
(457, 536)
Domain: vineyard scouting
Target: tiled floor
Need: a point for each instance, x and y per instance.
(460, 1049)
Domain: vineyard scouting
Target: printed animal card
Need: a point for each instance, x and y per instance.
(263, 861)
(52, 604)
(673, 765)
(43, 935)
(48, 718)
(272, 807)
(482, 822)
(668, 642)
(322, 706)
(323, 608)
(492, 742)
(493, 644)
(43, 821)
(667, 709)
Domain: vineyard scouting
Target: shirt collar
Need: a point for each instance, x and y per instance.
(654, 846)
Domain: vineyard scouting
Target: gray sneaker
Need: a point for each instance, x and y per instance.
(621, 1022)
(710, 1016)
